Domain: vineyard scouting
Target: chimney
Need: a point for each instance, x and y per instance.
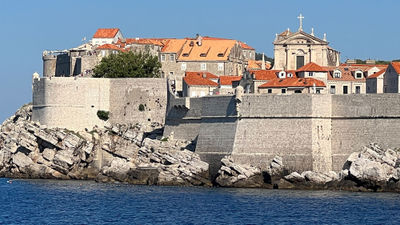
(199, 38)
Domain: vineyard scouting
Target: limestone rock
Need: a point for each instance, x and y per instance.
(236, 175)
(48, 154)
(21, 160)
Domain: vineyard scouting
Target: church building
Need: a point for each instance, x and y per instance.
(292, 50)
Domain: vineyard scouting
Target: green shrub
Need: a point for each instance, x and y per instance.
(103, 115)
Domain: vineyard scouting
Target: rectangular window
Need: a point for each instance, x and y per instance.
(283, 90)
(220, 66)
(171, 57)
(183, 66)
(345, 90)
(162, 58)
(333, 89)
(310, 74)
(358, 89)
(269, 91)
(203, 66)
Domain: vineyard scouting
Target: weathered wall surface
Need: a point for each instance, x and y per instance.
(310, 132)
(73, 102)
(126, 96)
(69, 102)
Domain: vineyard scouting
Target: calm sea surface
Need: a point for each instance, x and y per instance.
(84, 202)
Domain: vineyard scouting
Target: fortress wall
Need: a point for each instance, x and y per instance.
(361, 119)
(69, 103)
(126, 95)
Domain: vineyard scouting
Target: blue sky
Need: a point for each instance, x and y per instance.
(358, 29)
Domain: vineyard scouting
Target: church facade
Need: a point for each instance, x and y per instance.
(292, 50)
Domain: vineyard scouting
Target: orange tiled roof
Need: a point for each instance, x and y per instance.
(312, 67)
(264, 74)
(208, 75)
(346, 75)
(109, 46)
(293, 82)
(377, 74)
(209, 50)
(173, 45)
(245, 46)
(227, 80)
(106, 33)
(396, 66)
(151, 41)
(257, 64)
(195, 79)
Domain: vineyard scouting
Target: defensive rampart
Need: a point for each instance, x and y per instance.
(310, 132)
(73, 102)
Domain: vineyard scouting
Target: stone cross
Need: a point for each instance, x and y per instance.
(301, 17)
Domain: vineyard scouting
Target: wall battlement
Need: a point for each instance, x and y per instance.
(73, 102)
(310, 132)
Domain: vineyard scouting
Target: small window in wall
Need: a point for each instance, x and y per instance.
(337, 74)
(358, 89)
(318, 91)
(171, 57)
(269, 91)
(183, 66)
(162, 58)
(297, 91)
(283, 91)
(203, 66)
(345, 90)
(310, 74)
(332, 89)
(359, 74)
(220, 66)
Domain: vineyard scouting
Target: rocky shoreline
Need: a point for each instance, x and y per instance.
(138, 154)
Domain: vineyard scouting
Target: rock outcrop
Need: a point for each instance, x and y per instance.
(125, 153)
(232, 174)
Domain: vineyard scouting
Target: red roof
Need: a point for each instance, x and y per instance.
(207, 75)
(194, 79)
(227, 80)
(396, 66)
(377, 74)
(264, 74)
(312, 67)
(109, 46)
(245, 46)
(106, 33)
(293, 82)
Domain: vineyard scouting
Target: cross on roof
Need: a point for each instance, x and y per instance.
(301, 17)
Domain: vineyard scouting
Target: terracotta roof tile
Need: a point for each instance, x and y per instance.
(196, 79)
(293, 82)
(173, 45)
(396, 66)
(377, 74)
(245, 46)
(227, 80)
(106, 33)
(209, 50)
(264, 74)
(257, 64)
(207, 75)
(110, 47)
(312, 67)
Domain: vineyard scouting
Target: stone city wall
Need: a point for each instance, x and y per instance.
(310, 132)
(73, 102)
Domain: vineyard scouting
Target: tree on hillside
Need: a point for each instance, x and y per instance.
(128, 64)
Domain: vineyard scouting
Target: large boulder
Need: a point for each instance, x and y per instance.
(232, 174)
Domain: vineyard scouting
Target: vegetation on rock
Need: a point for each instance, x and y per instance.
(128, 65)
(103, 115)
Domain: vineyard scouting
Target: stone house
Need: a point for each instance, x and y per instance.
(374, 82)
(199, 84)
(215, 55)
(227, 84)
(106, 36)
(293, 85)
(391, 78)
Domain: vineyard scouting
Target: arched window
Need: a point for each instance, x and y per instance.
(337, 74)
(282, 74)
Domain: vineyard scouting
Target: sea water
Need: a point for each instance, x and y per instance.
(86, 202)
